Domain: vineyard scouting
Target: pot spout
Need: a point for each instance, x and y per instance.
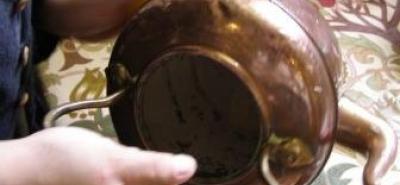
(368, 134)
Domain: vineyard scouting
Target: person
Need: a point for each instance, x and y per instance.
(29, 155)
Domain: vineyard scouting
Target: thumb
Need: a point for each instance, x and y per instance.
(154, 168)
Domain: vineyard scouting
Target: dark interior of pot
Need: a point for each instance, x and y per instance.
(192, 104)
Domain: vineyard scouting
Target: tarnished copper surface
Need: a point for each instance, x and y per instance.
(247, 32)
(286, 73)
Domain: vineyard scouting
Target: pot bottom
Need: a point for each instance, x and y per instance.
(192, 104)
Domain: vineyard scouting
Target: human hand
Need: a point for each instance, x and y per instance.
(72, 156)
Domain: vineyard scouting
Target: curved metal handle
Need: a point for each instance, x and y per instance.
(57, 112)
(288, 153)
(367, 133)
(265, 168)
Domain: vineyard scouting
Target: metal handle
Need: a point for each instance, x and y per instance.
(367, 133)
(265, 168)
(54, 114)
(287, 153)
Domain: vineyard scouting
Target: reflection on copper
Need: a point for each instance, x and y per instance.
(232, 26)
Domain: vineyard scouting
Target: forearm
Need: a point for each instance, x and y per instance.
(84, 18)
(16, 164)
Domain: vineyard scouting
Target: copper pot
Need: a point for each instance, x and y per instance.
(250, 88)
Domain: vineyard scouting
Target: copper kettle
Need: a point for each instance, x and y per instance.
(250, 88)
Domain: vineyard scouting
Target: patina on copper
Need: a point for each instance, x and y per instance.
(248, 87)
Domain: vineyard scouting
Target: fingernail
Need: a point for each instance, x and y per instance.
(184, 167)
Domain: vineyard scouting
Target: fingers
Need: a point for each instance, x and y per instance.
(153, 168)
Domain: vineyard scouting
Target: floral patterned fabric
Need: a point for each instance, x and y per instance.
(368, 33)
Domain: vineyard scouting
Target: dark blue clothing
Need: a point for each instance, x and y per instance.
(16, 32)
(11, 44)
